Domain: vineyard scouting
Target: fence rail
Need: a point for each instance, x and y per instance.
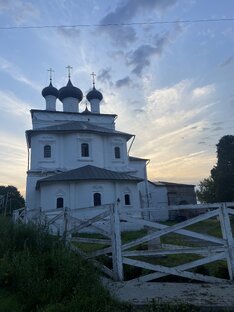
(107, 220)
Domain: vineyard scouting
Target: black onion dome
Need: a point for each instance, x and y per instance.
(50, 90)
(94, 94)
(70, 91)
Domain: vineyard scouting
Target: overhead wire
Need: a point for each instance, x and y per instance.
(186, 21)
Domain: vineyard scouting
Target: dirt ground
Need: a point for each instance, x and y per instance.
(215, 296)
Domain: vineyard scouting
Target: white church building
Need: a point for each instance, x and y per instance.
(78, 159)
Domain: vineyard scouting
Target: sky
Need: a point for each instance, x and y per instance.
(171, 84)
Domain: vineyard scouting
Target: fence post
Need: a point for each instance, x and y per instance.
(25, 215)
(39, 216)
(227, 235)
(65, 224)
(116, 243)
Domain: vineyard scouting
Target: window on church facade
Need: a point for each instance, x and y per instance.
(47, 151)
(127, 200)
(84, 150)
(97, 199)
(117, 152)
(59, 202)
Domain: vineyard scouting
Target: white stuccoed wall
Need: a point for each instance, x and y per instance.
(159, 201)
(47, 118)
(66, 151)
(80, 194)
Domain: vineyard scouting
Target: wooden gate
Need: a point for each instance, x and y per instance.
(106, 220)
(216, 248)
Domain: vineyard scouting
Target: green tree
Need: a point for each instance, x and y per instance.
(219, 187)
(10, 199)
(223, 172)
(206, 191)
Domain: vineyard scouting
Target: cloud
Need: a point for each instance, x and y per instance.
(139, 111)
(124, 82)
(9, 103)
(19, 11)
(105, 76)
(120, 35)
(217, 129)
(217, 123)
(141, 57)
(71, 33)
(15, 73)
(126, 11)
(13, 151)
(173, 120)
(203, 91)
(228, 61)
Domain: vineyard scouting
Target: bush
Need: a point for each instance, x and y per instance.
(45, 275)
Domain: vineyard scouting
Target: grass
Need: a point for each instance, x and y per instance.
(39, 274)
(210, 227)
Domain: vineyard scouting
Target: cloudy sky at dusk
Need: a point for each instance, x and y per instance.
(171, 84)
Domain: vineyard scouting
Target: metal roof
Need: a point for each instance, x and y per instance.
(131, 158)
(164, 183)
(175, 184)
(50, 90)
(69, 113)
(70, 91)
(89, 173)
(77, 126)
(156, 183)
(94, 94)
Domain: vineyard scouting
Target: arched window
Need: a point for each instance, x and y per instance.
(84, 150)
(117, 152)
(183, 202)
(97, 199)
(47, 151)
(127, 200)
(59, 203)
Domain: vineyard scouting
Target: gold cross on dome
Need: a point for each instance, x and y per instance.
(51, 71)
(93, 78)
(69, 68)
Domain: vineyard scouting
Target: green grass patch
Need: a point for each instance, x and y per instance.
(89, 247)
(10, 302)
(38, 273)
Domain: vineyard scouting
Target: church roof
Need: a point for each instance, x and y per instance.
(89, 173)
(70, 91)
(62, 112)
(77, 126)
(164, 183)
(131, 158)
(176, 184)
(50, 90)
(94, 94)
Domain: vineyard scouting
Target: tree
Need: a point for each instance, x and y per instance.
(10, 199)
(206, 191)
(219, 187)
(223, 172)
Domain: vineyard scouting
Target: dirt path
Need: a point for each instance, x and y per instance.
(215, 296)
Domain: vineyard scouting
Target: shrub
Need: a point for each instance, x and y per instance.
(44, 274)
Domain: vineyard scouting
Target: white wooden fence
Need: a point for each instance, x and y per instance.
(106, 220)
